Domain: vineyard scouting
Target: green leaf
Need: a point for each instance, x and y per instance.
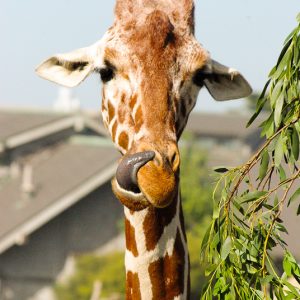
(298, 210)
(277, 91)
(259, 294)
(264, 165)
(295, 144)
(281, 228)
(294, 196)
(266, 279)
(278, 110)
(287, 266)
(291, 287)
(290, 36)
(287, 44)
(278, 151)
(216, 210)
(252, 196)
(268, 126)
(210, 269)
(226, 248)
(205, 239)
(260, 104)
(282, 174)
(215, 241)
(283, 63)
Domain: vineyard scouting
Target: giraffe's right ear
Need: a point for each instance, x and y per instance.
(68, 69)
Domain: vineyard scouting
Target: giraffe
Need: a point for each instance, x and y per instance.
(152, 69)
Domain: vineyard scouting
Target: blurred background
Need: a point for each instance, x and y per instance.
(61, 229)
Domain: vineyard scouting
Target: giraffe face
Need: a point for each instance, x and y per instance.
(148, 92)
(152, 71)
(149, 85)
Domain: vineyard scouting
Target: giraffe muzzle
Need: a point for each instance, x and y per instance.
(128, 168)
(144, 179)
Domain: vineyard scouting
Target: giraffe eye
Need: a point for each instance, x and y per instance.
(107, 74)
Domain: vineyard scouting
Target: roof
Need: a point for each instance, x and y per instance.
(62, 176)
(229, 125)
(16, 122)
(21, 127)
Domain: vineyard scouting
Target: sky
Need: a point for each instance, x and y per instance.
(244, 34)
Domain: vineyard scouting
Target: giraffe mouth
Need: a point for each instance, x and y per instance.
(139, 182)
(125, 184)
(128, 168)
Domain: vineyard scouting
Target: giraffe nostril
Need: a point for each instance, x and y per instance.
(174, 159)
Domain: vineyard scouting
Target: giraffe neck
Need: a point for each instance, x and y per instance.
(156, 259)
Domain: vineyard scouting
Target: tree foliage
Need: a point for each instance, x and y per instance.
(246, 224)
(195, 183)
(108, 269)
(196, 190)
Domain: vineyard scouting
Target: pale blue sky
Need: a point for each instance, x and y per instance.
(245, 34)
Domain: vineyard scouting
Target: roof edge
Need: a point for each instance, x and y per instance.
(39, 132)
(28, 227)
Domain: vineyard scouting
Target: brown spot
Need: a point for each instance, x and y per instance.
(103, 106)
(130, 238)
(121, 114)
(124, 75)
(111, 111)
(156, 272)
(167, 274)
(174, 269)
(114, 130)
(132, 101)
(123, 140)
(138, 119)
(133, 291)
(123, 98)
(155, 222)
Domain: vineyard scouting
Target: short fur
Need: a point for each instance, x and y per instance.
(152, 69)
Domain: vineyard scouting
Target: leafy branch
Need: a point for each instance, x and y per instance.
(246, 223)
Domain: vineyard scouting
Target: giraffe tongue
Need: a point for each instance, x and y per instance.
(128, 168)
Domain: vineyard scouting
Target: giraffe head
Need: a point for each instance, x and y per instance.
(152, 69)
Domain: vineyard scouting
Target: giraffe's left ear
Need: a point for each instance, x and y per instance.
(223, 83)
(68, 69)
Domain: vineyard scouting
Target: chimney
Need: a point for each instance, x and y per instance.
(27, 185)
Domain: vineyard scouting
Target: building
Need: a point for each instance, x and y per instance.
(55, 194)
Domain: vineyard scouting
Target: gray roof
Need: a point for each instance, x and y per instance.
(61, 176)
(20, 127)
(16, 122)
(229, 125)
